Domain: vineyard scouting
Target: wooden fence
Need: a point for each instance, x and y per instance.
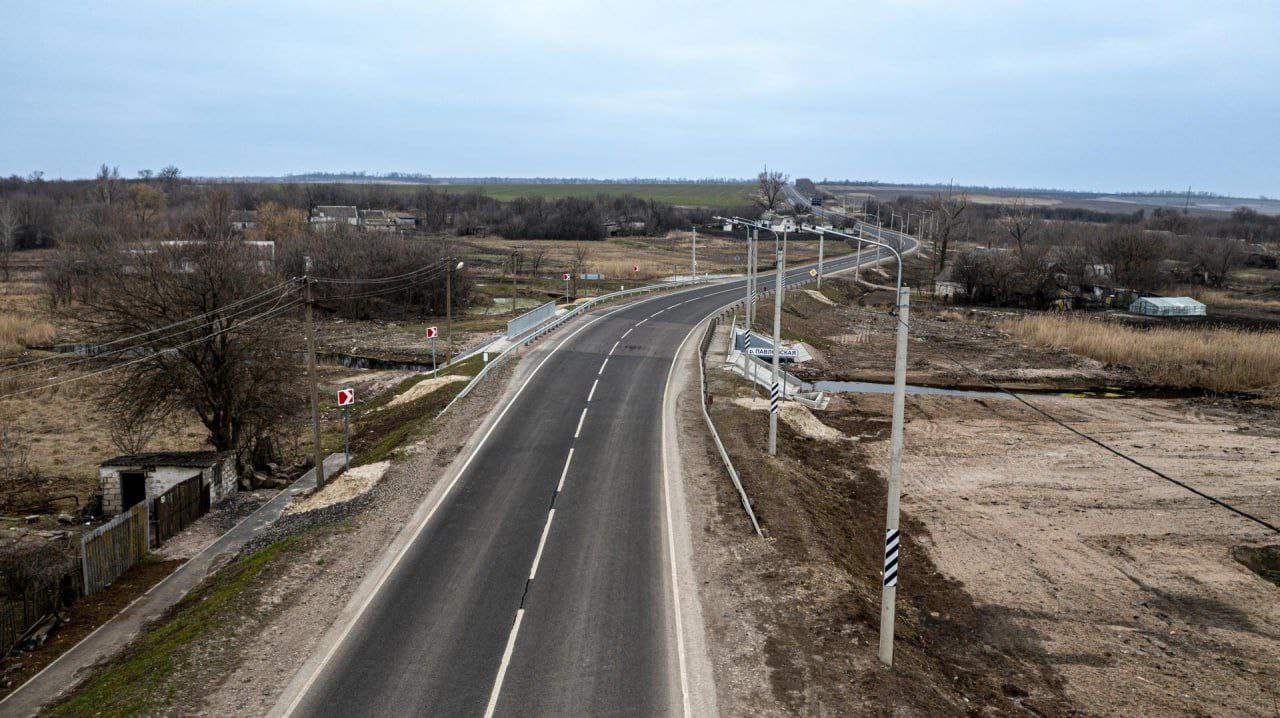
(177, 508)
(19, 617)
(113, 547)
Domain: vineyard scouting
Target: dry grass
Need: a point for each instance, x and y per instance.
(1229, 300)
(1217, 359)
(18, 333)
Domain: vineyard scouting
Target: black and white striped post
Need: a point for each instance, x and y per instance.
(889, 591)
(779, 270)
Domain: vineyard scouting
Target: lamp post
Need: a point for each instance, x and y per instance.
(448, 306)
(780, 262)
(889, 583)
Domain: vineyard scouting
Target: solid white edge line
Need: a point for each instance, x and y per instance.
(422, 526)
(542, 542)
(502, 669)
(565, 472)
(602, 366)
(581, 419)
(594, 384)
(293, 705)
(615, 347)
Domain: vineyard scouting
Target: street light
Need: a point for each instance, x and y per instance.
(889, 583)
(448, 307)
(780, 261)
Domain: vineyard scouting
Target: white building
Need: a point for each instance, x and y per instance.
(132, 479)
(325, 216)
(1167, 307)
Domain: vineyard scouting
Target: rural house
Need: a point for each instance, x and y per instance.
(328, 216)
(132, 479)
(377, 220)
(242, 219)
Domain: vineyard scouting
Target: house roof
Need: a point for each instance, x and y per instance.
(336, 211)
(184, 459)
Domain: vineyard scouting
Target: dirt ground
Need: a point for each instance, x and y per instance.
(1064, 580)
(1129, 580)
(793, 619)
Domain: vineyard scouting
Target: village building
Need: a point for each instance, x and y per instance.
(377, 220)
(329, 216)
(134, 478)
(244, 219)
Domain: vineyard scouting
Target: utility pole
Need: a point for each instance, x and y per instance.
(821, 239)
(515, 255)
(311, 373)
(774, 393)
(448, 309)
(889, 590)
(695, 253)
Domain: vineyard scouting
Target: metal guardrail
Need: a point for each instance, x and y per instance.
(545, 329)
(724, 454)
(530, 319)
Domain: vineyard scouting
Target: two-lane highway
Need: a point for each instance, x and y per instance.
(542, 580)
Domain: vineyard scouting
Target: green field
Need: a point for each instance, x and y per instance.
(698, 195)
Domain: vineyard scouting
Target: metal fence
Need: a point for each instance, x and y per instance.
(178, 508)
(530, 319)
(702, 401)
(112, 548)
(544, 329)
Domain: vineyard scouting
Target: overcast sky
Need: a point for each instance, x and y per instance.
(1114, 95)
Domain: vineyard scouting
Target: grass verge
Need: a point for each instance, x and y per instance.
(140, 681)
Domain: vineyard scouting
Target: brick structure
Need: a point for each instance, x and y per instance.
(126, 480)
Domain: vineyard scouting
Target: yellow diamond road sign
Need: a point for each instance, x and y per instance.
(813, 272)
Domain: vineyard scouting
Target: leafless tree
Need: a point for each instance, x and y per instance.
(10, 223)
(232, 368)
(1131, 255)
(146, 203)
(951, 225)
(771, 187)
(131, 430)
(537, 255)
(1021, 226)
(169, 177)
(146, 175)
(108, 180)
(1214, 258)
(20, 483)
(578, 265)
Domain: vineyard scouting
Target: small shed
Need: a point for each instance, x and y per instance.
(1167, 307)
(134, 478)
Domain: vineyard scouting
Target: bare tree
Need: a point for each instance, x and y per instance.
(131, 430)
(232, 368)
(169, 177)
(1130, 255)
(108, 180)
(770, 189)
(951, 225)
(10, 224)
(146, 175)
(578, 265)
(1215, 258)
(537, 256)
(146, 203)
(20, 483)
(1021, 225)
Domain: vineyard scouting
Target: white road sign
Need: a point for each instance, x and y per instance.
(565, 276)
(346, 397)
(432, 332)
(768, 352)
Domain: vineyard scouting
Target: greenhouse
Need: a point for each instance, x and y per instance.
(1167, 307)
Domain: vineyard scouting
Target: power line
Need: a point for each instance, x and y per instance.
(149, 332)
(254, 306)
(385, 290)
(1107, 447)
(264, 315)
(373, 280)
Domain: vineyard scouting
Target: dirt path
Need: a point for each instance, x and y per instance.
(1129, 580)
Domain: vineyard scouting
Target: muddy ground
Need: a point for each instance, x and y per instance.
(1064, 579)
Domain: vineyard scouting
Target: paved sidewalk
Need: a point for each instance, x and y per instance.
(61, 675)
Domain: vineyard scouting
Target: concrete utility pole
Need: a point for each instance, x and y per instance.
(515, 256)
(780, 260)
(821, 239)
(450, 268)
(889, 590)
(892, 535)
(694, 263)
(311, 372)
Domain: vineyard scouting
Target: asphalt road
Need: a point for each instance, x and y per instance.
(542, 582)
